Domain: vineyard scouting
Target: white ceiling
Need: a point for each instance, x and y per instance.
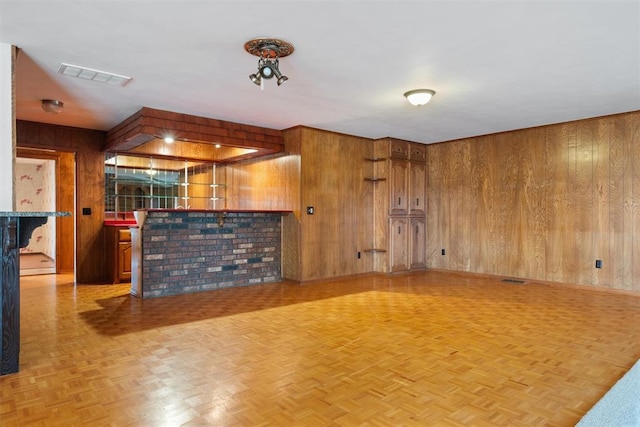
(495, 65)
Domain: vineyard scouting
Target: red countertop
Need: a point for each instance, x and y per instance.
(120, 223)
(220, 210)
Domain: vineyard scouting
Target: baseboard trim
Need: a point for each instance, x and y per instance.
(331, 279)
(589, 288)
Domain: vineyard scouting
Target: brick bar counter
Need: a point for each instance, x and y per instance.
(184, 251)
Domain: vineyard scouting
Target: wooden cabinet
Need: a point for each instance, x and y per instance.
(417, 188)
(417, 238)
(418, 152)
(399, 186)
(398, 248)
(400, 233)
(407, 243)
(118, 250)
(408, 182)
(398, 149)
(124, 260)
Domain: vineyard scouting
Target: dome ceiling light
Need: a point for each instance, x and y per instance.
(268, 51)
(52, 106)
(419, 96)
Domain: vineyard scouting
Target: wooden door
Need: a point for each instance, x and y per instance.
(398, 149)
(418, 243)
(398, 244)
(417, 188)
(418, 152)
(398, 189)
(124, 261)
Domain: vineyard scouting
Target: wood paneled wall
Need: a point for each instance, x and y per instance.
(291, 224)
(262, 183)
(332, 170)
(541, 203)
(89, 174)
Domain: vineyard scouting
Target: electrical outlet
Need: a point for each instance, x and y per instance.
(443, 252)
(598, 263)
(310, 210)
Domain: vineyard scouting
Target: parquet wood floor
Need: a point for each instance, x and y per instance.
(430, 349)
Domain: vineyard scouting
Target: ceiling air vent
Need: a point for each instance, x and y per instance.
(95, 75)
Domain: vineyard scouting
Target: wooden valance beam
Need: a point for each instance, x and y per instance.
(149, 124)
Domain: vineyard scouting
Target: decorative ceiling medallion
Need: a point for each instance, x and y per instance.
(268, 48)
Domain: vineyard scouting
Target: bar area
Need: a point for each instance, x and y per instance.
(177, 251)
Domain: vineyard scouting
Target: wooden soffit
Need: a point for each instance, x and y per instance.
(196, 138)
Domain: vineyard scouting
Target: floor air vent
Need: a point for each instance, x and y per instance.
(516, 281)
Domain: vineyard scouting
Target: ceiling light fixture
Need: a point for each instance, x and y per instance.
(169, 139)
(52, 106)
(268, 51)
(419, 96)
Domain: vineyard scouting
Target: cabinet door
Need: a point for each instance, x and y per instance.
(418, 243)
(418, 152)
(124, 261)
(398, 190)
(417, 188)
(399, 149)
(398, 244)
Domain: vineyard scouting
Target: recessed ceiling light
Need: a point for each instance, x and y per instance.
(95, 75)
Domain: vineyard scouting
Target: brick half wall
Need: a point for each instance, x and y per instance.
(192, 251)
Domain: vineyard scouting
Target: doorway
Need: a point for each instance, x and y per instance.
(36, 192)
(45, 182)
